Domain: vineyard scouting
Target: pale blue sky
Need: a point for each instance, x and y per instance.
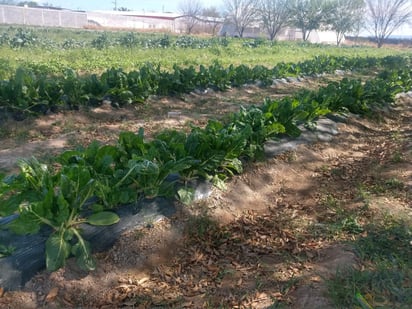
(137, 5)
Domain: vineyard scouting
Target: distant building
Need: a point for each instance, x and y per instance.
(135, 20)
(142, 20)
(285, 34)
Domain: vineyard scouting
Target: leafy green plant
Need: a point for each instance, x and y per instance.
(216, 150)
(101, 42)
(23, 38)
(6, 250)
(72, 87)
(58, 200)
(192, 42)
(286, 113)
(38, 89)
(72, 43)
(144, 82)
(146, 166)
(258, 125)
(129, 40)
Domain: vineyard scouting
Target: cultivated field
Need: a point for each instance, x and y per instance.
(110, 115)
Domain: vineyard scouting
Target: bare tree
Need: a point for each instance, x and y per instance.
(308, 15)
(211, 11)
(213, 18)
(358, 27)
(345, 16)
(241, 13)
(385, 16)
(274, 15)
(190, 9)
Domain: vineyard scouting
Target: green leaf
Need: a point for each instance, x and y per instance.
(322, 111)
(63, 210)
(8, 180)
(233, 165)
(126, 195)
(97, 207)
(103, 218)
(10, 205)
(70, 157)
(81, 250)
(292, 130)
(275, 128)
(6, 250)
(57, 251)
(26, 223)
(186, 195)
(104, 158)
(91, 151)
(133, 143)
(65, 186)
(218, 182)
(145, 167)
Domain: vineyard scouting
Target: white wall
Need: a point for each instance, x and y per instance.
(16, 15)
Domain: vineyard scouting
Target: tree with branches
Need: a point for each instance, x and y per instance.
(190, 10)
(344, 17)
(274, 15)
(213, 18)
(308, 15)
(241, 13)
(386, 16)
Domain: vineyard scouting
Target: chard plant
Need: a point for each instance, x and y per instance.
(56, 201)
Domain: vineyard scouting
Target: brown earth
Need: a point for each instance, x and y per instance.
(262, 243)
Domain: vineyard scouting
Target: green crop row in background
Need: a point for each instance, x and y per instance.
(95, 51)
(31, 91)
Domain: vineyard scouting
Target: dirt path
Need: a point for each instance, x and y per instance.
(264, 242)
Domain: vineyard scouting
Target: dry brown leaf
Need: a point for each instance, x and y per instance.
(310, 254)
(315, 279)
(212, 268)
(143, 280)
(51, 296)
(188, 304)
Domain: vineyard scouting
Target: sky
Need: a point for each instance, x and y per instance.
(135, 5)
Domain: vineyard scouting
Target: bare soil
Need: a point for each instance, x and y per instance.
(259, 244)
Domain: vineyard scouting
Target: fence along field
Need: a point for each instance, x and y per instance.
(15, 15)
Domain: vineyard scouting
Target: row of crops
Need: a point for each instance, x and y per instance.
(86, 184)
(17, 38)
(30, 91)
(52, 50)
(29, 38)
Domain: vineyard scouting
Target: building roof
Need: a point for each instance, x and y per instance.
(159, 15)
